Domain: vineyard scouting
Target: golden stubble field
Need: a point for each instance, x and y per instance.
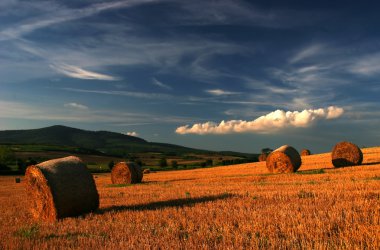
(232, 207)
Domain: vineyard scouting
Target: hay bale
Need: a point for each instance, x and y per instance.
(146, 171)
(346, 154)
(17, 180)
(305, 152)
(263, 157)
(126, 173)
(285, 159)
(61, 188)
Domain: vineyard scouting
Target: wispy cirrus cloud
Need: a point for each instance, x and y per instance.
(161, 84)
(110, 48)
(232, 12)
(75, 105)
(367, 66)
(220, 92)
(76, 72)
(60, 15)
(307, 52)
(122, 93)
(273, 121)
(28, 111)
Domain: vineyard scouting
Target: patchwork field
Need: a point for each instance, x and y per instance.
(232, 207)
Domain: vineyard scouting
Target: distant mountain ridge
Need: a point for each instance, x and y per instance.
(111, 143)
(59, 135)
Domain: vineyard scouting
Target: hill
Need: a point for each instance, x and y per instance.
(102, 142)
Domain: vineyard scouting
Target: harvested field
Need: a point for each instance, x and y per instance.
(240, 206)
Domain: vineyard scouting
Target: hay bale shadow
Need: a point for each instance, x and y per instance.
(343, 162)
(167, 181)
(178, 180)
(371, 163)
(346, 163)
(164, 204)
(311, 171)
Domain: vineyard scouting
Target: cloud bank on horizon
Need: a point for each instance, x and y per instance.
(275, 120)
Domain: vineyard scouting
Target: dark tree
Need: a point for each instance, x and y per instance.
(209, 162)
(6, 155)
(111, 164)
(174, 164)
(266, 151)
(139, 162)
(163, 162)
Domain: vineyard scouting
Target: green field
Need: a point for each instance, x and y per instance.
(99, 162)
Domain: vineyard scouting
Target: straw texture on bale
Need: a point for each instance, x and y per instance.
(305, 152)
(263, 157)
(126, 173)
(61, 188)
(285, 159)
(346, 154)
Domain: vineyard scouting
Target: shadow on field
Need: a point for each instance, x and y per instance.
(168, 181)
(163, 204)
(177, 180)
(362, 164)
(312, 171)
(371, 163)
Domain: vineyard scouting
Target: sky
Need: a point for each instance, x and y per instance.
(219, 75)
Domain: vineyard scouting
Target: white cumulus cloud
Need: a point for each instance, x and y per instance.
(132, 133)
(273, 121)
(334, 112)
(76, 72)
(75, 106)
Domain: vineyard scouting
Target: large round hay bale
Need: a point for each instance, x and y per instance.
(61, 188)
(263, 157)
(285, 159)
(126, 173)
(346, 154)
(305, 152)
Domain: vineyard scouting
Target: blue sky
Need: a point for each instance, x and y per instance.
(219, 75)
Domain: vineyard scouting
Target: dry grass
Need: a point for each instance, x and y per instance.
(238, 206)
